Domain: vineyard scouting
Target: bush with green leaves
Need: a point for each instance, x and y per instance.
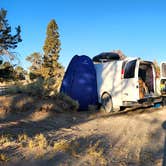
(34, 88)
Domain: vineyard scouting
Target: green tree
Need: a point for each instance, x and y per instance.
(7, 40)
(52, 70)
(36, 68)
(6, 72)
(51, 50)
(19, 73)
(120, 53)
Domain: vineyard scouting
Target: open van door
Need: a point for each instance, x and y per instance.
(130, 86)
(163, 78)
(163, 70)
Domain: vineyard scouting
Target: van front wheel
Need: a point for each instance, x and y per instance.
(106, 102)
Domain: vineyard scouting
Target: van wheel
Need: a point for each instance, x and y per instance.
(107, 104)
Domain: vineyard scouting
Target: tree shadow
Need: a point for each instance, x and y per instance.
(164, 157)
(154, 153)
(89, 150)
(98, 148)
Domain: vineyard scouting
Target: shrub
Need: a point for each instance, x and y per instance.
(13, 89)
(67, 102)
(3, 157)
(97, 153)
(38, 141)
(34, 88)
(22, 137)
(92, 108)
(62, 145)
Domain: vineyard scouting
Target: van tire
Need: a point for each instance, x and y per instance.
(107, 103)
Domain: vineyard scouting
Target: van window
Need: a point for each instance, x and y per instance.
(130, 69)
(163, 66)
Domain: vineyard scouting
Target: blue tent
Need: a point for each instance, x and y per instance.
(79, 81)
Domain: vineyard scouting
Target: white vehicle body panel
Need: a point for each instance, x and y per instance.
(109, 80)
(130, 91)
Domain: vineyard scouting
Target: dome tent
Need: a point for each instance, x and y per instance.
(79, 81)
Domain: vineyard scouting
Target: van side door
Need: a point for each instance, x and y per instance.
(130, 86)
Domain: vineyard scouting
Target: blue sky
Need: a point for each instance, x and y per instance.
(137, 27)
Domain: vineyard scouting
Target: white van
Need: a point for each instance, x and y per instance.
(119, 83)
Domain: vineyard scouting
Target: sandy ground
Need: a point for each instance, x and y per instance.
(41, 137)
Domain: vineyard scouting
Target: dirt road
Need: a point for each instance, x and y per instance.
(48, 138)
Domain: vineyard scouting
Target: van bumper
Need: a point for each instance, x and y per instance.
(149, 101)
(164, 100)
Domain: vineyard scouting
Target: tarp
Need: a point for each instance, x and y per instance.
(79, 81)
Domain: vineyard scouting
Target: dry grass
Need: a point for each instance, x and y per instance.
(74, 147)
(96, 154)
(66, 103)
(3, 157)
(5, 140)
(61, 145)
(39, 141)
(94, 150)
(92, 108)
(34, 88)
(22, 137)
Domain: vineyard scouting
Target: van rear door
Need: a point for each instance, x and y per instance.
(163, 70)
(163, 78)
(130, 87)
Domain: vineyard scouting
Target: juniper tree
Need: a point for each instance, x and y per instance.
(36, 60)
(19, 73)
(6, 72)
(52, 70)
(51, 50)
(7, 40)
